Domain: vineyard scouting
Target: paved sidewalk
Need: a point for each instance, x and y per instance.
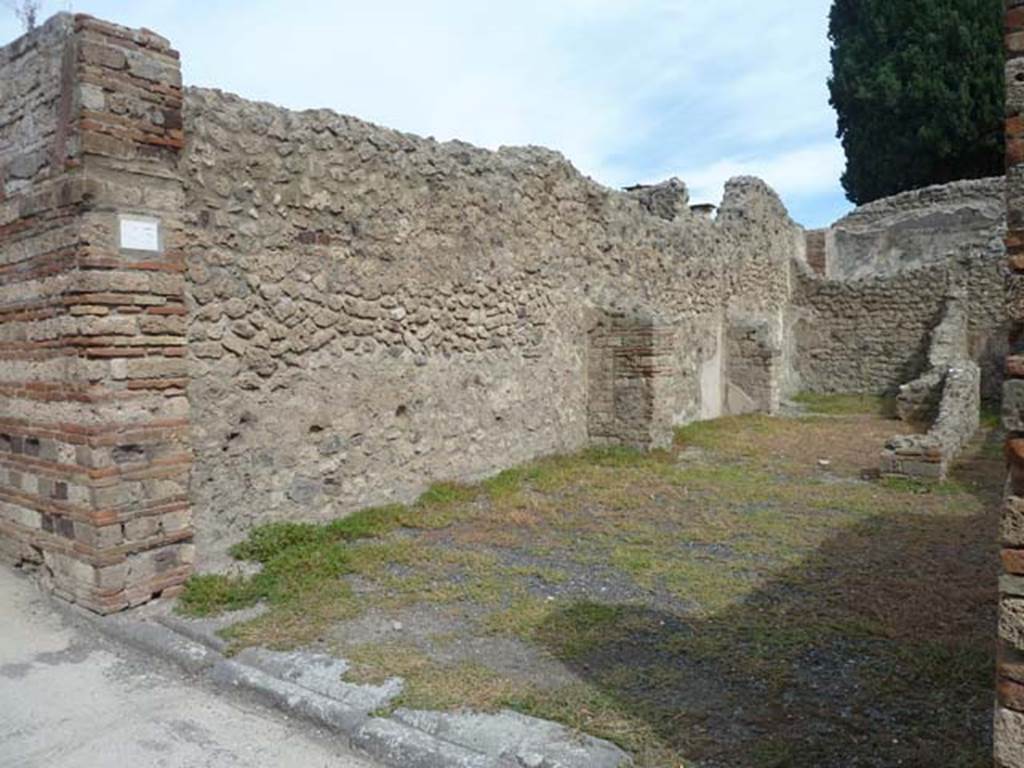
(70, 698)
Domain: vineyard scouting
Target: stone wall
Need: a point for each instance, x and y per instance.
(873, 286)
(365, 312)
(94, 456)
(754, 365)
(1009, 715)
(948, 395)
(872, 334)
(373, 312)
(923, 226)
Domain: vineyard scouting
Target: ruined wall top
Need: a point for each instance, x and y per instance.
(919, 227)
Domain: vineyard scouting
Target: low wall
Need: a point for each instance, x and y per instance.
(931, 455)
(948, 395)
(871, 334)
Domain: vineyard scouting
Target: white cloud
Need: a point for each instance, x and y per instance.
(629, 90)
(799, 173)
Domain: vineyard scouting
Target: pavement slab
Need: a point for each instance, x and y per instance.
(72, 698)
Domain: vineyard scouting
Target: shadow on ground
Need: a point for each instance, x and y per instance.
(876, 650)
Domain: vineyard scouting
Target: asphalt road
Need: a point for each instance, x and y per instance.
(71, 698)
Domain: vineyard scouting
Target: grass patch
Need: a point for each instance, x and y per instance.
(442, 494)
(686, 591)
(991, 416)
(213, 593)
(301, 578)
(847, 404)
(920, 487)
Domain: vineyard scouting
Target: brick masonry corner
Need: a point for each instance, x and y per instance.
(94, 454)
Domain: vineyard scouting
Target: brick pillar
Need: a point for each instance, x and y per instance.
(1009, 718)
(631, 382)
(817, 250)
(94, 454)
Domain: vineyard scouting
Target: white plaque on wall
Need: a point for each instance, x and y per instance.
(139, 233)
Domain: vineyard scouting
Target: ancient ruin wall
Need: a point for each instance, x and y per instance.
(947, 397)
(872, 334)
(372, 311)
(93, 414)
(919, 227)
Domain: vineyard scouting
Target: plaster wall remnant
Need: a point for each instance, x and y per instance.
(754, 357)
(919, 227)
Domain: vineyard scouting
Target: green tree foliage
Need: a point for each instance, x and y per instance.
(918, 87)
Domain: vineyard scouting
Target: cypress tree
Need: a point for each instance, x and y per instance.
(918, 89)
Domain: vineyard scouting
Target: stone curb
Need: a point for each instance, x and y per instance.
(289, 697)
(385, 739)
(398, 744)
(195, 658)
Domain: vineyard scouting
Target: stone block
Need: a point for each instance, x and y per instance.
(1009, 738)
(1013, 405)
(1011, 621)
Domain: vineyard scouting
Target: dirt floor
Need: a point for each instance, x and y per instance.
(750, 598)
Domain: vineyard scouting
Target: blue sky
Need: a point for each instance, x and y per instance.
(629, 90)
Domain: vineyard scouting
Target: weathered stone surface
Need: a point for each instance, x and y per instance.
(1011, 612)
(1013, 405)
(919, 227)
(519, 739)
(1009, 738)
(322, 674)
(372, 311)
(1012, 521)
(949, 392)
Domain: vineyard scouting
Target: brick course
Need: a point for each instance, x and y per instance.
(1009, 717)
(94, 454)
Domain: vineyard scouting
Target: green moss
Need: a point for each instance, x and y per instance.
(266, 541)
(511, 481)
(368, 523)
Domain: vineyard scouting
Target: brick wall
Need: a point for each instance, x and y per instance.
(817, 252)
(94, 457)
(631, 375)
(1009, 718)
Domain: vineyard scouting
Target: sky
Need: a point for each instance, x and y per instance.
(631, 91)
